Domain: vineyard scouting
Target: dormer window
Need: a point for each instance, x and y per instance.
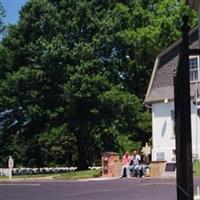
(194, 66)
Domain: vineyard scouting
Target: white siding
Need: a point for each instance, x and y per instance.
(162, 127)
(195, 120)
(163, 140)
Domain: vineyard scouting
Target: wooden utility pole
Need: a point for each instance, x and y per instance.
(183, 120)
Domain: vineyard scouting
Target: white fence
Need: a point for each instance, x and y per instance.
(29, 171)
(95, 167)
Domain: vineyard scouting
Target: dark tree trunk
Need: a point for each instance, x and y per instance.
(82, 153)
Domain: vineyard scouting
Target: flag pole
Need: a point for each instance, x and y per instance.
(196, 103)
(198, 78)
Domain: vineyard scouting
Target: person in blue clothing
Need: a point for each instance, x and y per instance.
(135, 164)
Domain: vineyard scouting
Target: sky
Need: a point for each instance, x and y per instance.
(12, 8)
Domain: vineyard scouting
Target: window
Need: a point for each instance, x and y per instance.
(172, 124)
(160, 156)
(194, 66)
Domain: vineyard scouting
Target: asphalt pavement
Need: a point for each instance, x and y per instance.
(117, 189)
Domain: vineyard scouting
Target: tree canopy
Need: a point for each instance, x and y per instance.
(2, 15)
(77, 72)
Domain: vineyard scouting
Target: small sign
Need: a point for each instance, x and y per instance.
(10, 162)
(146, 150)
(105, 159)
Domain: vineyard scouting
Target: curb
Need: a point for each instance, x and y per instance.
(26, 179)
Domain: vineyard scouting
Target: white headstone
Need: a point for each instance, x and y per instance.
(10, 162)
(10, 166)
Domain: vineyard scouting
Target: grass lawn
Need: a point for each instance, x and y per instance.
(196, 168)
(68, 175)
(79, 174)
(28, 176)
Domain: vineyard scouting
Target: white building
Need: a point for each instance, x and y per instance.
(160, 96)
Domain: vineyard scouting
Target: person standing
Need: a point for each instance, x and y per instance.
(126, 159)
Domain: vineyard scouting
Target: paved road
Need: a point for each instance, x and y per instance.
(121, 189)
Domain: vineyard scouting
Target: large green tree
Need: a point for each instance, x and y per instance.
(2, 15)
(78, 73)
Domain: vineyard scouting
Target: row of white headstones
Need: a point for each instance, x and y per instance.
(44, 170)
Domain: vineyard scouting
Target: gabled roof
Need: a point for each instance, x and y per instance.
(161, 82)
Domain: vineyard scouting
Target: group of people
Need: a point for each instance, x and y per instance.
(134, 165)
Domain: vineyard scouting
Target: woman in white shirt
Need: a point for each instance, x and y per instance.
(135, 164)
